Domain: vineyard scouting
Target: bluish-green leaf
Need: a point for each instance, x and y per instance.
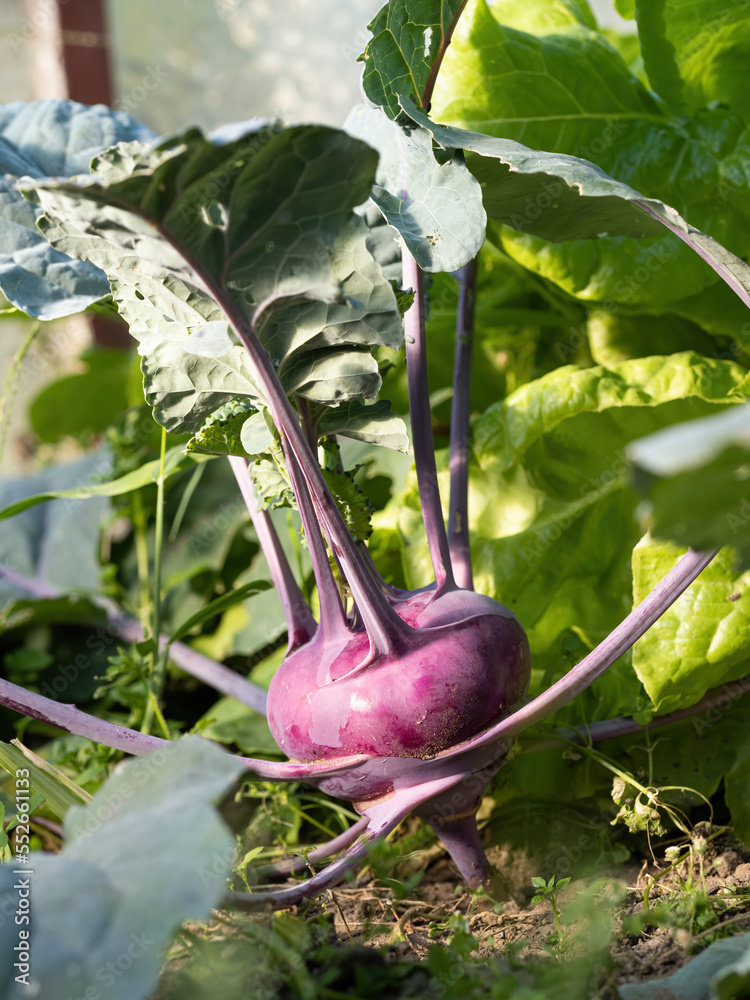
(310, 286)
(435, 206)
(109, 895)
(57, 138)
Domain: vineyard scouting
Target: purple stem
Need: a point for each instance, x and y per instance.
(332, 616)
(185, 657)
(330, 847)
(611, 729)
(721, 265)
(388, 634)
(299, 620)
(460, 838)
(383, 817)
(421, 424)
(73, 720)
(599, 659)
(458, 507)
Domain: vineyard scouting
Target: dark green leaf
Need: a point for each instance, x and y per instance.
(220, 433)
(373, 423)
(408, 37)
(86, 404)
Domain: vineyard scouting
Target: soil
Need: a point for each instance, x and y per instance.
(370, 914)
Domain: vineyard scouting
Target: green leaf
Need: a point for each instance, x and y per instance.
(272, 487)
(539, 882)
(106, 895)
(695, 478)
(229, 721)
(536, 899)
(143, 476)
(435, 206)
(255, 435)
(737, 783)
(59, 791)
(615, 336)
(312, 289)
(566, 90)
(86, 404)
(355, 506)
(373, 423)
(696, 51)
(702, 640)
(56, 138)
(219, 605)
(220, 433)
(408, 38)
(562, 883)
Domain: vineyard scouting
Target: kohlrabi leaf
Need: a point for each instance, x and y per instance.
(696, 51)
(409, 38)
(695, 479)
(118, 895)
(702, 640)
(50, 138)
(193, 233)
(273, 489)
(220, 433)
(435, 206)
(566, 90)
(373, 423)
(726, 961)
(38, 542)
(89, 482)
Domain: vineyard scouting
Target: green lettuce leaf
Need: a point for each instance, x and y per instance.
(695, 478)
(566, 90)
(696, 51)
(702, 640)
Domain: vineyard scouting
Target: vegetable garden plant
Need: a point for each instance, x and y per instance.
(281, 283)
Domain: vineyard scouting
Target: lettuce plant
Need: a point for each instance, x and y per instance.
(256, 268)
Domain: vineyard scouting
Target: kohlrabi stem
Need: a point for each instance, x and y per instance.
(610, 729)
(332, 613)
(599, 659)
(325, 850)
(388, 634)
(299, 620)
(72, 720)
(445, 41)
(305, 416)
(421, 424)
(458, 507)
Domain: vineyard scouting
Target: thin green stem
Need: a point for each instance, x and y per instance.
(142, 560)
(158, 660)
(11, 385)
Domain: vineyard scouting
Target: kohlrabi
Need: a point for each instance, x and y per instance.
(248, 278)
